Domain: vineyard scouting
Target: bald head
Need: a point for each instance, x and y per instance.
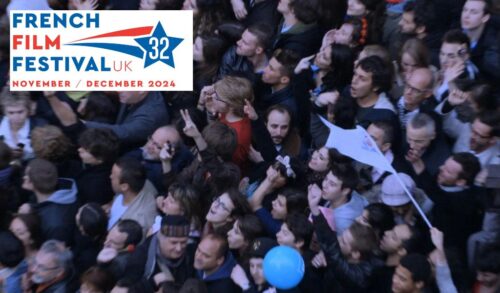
(168, 133)
(161, 136)
(418, 88)
(424, 77)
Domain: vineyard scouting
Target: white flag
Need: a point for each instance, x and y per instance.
(356, 144)
(359, 145)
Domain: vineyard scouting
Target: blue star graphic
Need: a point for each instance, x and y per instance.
(158, 47)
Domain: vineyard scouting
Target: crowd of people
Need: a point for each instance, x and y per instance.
(188, 191)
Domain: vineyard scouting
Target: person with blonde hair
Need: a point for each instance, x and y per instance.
(227, 98)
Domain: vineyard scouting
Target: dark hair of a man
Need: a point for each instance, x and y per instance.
(380, 218)
(296, 200)
(381, 74)
(344, 112)
(492, 119)
(417, 243)
(94, 221)
(250, 227)
(132, 172)
(306, 11)
(387, 130)
(99, 278)
(346, 174)
(470, 166)
(288, 60)
(301, 228)
(43, 175)
(100, 107)
(481, 95)
(456, 36)
(263, 33)
(365, 239)
(221, 241)
(132, 229)
(102, 143)
(419, 267)
(425, 14)
(192, 285)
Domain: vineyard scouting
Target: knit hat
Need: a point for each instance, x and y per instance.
(393, 194)
(175, 226)
(261, 246)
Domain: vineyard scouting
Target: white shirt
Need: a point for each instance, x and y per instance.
(117, 211)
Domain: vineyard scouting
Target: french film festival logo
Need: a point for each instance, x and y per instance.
(101, 50)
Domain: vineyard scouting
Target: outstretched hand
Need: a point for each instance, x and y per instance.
(314, 197)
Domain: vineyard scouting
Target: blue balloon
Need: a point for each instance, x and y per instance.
(283, 267)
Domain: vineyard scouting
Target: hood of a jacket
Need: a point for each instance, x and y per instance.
(224, 271)
(65, 193)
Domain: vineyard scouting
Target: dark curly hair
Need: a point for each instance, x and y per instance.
(103, 144)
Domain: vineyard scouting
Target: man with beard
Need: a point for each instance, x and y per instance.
(149, 155)
(275, 136)
(411, 24)
(457, 209)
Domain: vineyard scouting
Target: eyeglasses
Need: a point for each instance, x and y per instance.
(218, 203)
(460, 54)
(478, 135)
(412, 89)
(154, 143)
(218, 98)
(40, 267)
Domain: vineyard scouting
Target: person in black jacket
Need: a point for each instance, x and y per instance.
(348, 256)
(485, 51)
(277, 77)
(163, 257)
(424, 140)
(56, 200)
(149, 155)
(457, 210)
(214, 264)
(98, 150)
(298, 31)
(119, 245)
(412, 274)
(248, 56)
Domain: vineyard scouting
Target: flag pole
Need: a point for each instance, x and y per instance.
(415, 204)
(388, 166)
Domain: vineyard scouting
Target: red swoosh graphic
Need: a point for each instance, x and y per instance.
(131, 32)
